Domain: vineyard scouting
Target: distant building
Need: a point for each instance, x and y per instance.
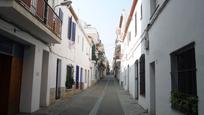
(93, 36)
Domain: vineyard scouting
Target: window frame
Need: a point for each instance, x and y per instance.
(176, 70)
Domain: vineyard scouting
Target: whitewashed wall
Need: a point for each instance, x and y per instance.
(180, 23)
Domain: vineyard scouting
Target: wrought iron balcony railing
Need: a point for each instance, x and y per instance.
(44, 13)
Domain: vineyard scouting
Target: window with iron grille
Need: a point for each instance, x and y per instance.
(184, 70)
(142, 75)
(183, 79)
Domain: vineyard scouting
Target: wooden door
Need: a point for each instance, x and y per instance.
(5, 64)
(77, 76)
(58, 79)
(10, 84)
(15, 85)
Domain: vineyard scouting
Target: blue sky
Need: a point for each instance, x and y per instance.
(104, 15)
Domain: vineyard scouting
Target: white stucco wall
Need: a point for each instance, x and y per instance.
(69, 52)
(132, 52)
(180, 23)
(32, 66)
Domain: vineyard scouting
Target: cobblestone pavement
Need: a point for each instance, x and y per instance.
(104, 98)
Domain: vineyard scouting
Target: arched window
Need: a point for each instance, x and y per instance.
(142, 75)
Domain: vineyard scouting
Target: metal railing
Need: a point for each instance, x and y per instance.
(44, 13)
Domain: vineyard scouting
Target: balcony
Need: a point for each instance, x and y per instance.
(33, 16)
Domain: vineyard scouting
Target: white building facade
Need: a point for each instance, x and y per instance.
(93, 36)
(162, 58)
(39, 51)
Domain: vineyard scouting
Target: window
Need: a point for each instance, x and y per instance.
(184, 70)
(141, 12)
(61, 14)
(183, 79)
(69, 28)
(135, 24)
(142, 75)
(153, 6)
(33, 6)
(73, 31)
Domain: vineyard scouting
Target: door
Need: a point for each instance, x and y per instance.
(77, 76)
(89, 79)
(128, 77)
(81, 76)
(58, 79)
(136, 80)
(11, 62)
(5, 65)
(152, 89)
(69, 77)
(10, 84)
(15, 85)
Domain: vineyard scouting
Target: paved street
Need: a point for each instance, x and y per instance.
(105, 98)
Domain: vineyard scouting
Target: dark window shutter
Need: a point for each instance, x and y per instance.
(61, 14)
(73, 31)
(142, 75)
(69, 28)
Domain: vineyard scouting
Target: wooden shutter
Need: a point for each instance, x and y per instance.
(69, 27)
(40, 9)
(73, 31)
(142, 75)
(61, 14)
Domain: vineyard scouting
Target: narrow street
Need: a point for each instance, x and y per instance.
(105, 98)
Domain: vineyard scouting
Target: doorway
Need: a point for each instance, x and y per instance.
(11, 63)
(77, 77)
(88, 79)
(81, 78)
(128, 77)
(5, 65)
(58, 79)
(152, 89)
(136, 80)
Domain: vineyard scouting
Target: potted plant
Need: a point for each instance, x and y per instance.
(184, 103)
